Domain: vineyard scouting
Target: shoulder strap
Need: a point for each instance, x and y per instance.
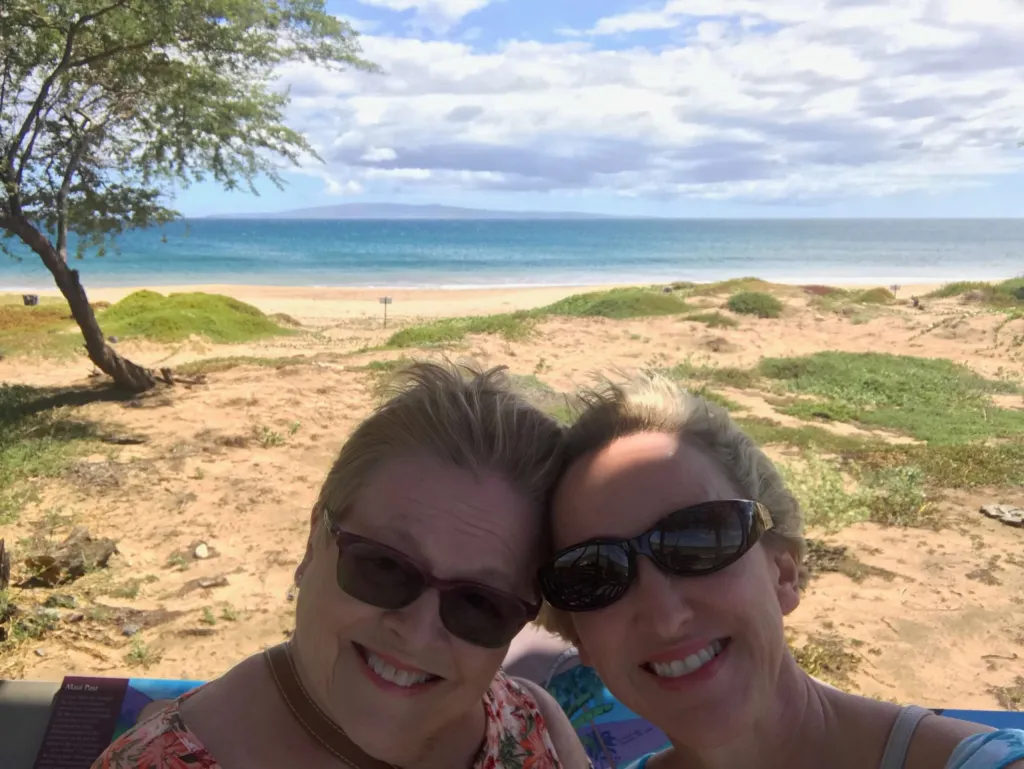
(306, 712)
(902, 733)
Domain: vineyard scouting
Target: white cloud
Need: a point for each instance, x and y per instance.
(439, 15)
(378, 154)
(783, 100)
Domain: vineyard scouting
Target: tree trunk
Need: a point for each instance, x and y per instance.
(126, 374)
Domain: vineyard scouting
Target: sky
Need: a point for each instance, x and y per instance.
(683, 108)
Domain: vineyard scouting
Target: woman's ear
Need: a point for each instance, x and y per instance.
(787, 587)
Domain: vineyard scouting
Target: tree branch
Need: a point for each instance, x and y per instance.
(96, 57)
(62, 197)
(63, 65)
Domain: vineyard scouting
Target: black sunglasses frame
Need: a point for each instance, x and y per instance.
(758, 521)
(446, 588)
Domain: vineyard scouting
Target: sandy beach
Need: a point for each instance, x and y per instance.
(235, 464)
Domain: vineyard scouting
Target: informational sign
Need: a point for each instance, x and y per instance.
(385, 300)
(90, 713)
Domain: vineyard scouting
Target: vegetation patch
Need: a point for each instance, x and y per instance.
(826, 657)
(755, 303)
(716, 397)
(931, 399)
(713, 319)
(39, 438)
(875, 296)
(736, 285)
(175, 318)
(543, 396)
(1008, 293)
(696, 376)
(822, 558)
(1010, 697)
(47, 328)
(767, 431)
(446, 331)
(819, 290)
(955, 466)
(618, 304)
(835, 493)
(226, 363)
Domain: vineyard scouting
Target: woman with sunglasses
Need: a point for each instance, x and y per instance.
(419, 570)
(679, 553)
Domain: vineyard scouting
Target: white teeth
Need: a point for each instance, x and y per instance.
(388, 672)
(694, 662)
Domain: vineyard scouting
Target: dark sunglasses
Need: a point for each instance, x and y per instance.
(388, 579)
(691, 542)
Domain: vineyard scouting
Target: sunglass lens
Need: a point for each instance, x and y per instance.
(588, 577)
(481, 617)
(377, 576)
(702, 538)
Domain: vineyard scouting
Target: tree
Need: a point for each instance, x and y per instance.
(105, 104)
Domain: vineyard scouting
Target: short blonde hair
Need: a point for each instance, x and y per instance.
(650, 403)
(461, 415)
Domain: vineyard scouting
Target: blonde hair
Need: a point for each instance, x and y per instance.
(651, 403)
(458, 414)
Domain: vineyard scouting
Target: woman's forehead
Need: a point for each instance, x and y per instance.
(646, 475)
(451, 519)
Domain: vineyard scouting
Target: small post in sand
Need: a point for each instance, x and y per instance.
(385, 300)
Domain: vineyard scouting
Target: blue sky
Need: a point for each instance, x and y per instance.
(693, 108)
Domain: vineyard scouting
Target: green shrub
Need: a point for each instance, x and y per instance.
(175, 318)
(618, 303)
(875, 296)
(822, 490)
(755, 303)
(512, 326)
(713, 320)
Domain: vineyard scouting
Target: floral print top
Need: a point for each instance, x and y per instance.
(516, 737)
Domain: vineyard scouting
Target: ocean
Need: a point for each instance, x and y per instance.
(510, 253)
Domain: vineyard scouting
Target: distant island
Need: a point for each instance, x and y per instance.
(403, 211)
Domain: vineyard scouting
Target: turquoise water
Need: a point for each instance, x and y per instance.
(527, 253)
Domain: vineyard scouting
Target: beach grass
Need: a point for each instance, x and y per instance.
(713, 319)
(756, 303)
(177, 317)
(696, 375)
(1008, 293)
(740, 285)
(47, 328)
(874, 296)
(445, 331)
(618, 304)
(38, 439)
(930, 399)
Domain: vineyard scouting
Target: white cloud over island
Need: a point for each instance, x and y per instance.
(735, 99)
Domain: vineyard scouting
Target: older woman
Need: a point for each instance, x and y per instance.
(680, 551)
(419, 570)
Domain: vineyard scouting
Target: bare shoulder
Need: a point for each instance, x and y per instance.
(567, 743)
(533, 654)
(936, 738)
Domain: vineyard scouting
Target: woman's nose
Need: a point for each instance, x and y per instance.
(417, 624)
(661, 601)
